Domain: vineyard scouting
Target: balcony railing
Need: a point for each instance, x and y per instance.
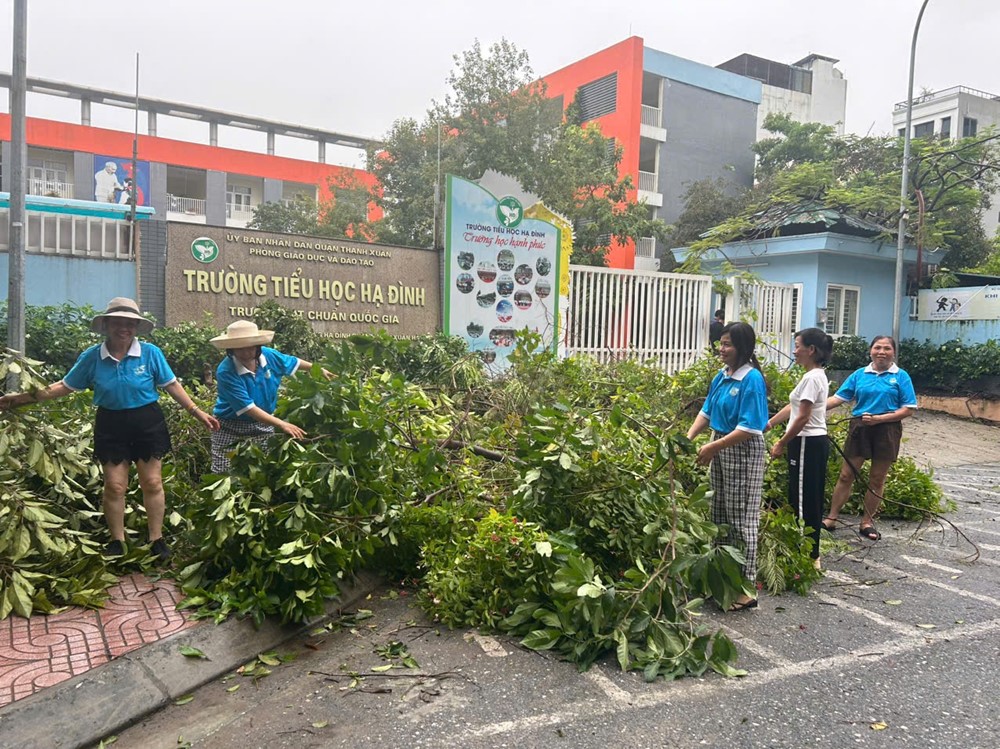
(50, 188)
(953, 91)
(239, 212)
(645, 247)
(189, 206)
(652, 116)
(647, 181)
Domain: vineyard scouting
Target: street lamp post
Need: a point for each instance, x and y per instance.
(897, 297)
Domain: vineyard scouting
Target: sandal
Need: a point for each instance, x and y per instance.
(744, 605)
(869, 532)
(829, 524)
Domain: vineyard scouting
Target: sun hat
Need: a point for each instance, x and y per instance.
(121, 306)
(241, 334)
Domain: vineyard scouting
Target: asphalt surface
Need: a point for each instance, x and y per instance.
(897, 646)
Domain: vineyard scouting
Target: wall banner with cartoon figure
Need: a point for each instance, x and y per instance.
(501, 272)
(115, 183)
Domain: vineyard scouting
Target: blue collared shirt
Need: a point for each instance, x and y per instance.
(877, 392)
(737, 401)
(129, 383)
(240, 389)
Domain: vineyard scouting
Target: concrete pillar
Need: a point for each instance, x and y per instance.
(5, 156)
(213, 133)
(83, 175)
(274, 190)
(85, 112)
(321, 156)
(270, 143)
(215, 198)
(151, 122)
(157, 197)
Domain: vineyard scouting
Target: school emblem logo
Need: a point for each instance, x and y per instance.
(734, 390)
(892, 380)
(510, 212)
(141, 369)
(204, 249)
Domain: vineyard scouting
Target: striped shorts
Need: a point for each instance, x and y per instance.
(231, 432)
(737, 479)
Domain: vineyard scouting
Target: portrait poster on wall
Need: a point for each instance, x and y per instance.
(115, 183)
(501, 272)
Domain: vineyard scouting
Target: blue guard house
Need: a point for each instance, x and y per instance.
(842, 267)
(76, 251)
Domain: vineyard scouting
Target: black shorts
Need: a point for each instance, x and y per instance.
(874, 441)
(130, 434)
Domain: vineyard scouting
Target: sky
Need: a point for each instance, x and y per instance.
(356, 67)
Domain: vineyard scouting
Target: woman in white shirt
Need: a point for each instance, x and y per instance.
(805, 438)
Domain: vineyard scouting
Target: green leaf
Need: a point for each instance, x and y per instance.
(269, 659)
(233, 688)
(541, 639)
(380, 669)
(189, 651)
(184, 700)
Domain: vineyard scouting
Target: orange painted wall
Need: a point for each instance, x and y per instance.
(67, 136)
(624, 123)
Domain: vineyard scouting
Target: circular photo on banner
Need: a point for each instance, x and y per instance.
(474, 330)
(487, 271)
(466, 260)
(505, 310)
(522, 299)
(543, 265)
(465, 282)
(505, 260)
(502, 337)
(543, 288)
(486, 300)
(488, 355)
(523, 274)
(505, 285)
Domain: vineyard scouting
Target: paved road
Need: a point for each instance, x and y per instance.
(899, 645)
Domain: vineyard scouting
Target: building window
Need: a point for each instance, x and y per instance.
(842, 309)
(902, 132)
(924, 130)
(238, 202)
(598, 98)
(946, 127)
(969, 127)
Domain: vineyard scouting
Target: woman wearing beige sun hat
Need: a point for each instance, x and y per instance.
(247, 382)
(125, 374)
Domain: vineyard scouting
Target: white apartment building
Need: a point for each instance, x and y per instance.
(957, 112)
(810, 90)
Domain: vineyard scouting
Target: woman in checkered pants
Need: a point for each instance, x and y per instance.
(736, 410)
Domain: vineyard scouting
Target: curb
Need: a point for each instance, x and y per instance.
(81, 711)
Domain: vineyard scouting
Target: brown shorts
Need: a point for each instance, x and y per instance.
(875, 441)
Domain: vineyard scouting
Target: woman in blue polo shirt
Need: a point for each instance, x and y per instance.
(125, 373)
(736, 410)
(883, 396)
(247, 382)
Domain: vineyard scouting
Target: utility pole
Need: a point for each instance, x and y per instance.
(18, 154)
(134, 193)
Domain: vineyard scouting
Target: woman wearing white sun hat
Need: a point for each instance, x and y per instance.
(124, 374)
(247, 381)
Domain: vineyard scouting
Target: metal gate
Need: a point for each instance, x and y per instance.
(770, 309)
(658, 318)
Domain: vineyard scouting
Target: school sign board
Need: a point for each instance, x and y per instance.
(502, 272)
(964, 303)
(340, 286)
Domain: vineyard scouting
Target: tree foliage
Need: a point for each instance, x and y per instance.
(808, 164)
(496, 116)
(343, 213)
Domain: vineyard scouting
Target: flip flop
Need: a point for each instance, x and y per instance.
(869, 532)
(832, 524)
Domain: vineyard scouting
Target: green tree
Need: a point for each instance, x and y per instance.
(345, 213)
(806, 164)
(497, 116)
(707, 203)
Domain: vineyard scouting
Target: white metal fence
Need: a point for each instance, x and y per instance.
(770, 309)
(651, 116)
(76, 236)
(50, 188)
(658, 318)
(190, 206)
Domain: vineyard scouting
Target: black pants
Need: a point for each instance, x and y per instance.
(807, 457)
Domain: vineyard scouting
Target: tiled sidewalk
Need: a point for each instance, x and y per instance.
(44, 650)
